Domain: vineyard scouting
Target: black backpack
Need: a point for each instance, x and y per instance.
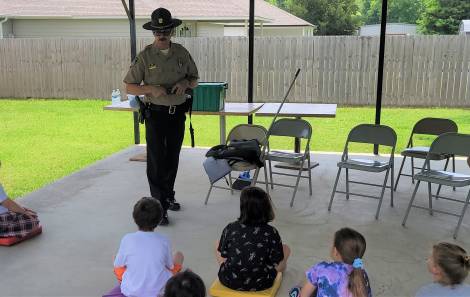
(242, 150)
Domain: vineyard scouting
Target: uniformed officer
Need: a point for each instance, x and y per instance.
(163, 71)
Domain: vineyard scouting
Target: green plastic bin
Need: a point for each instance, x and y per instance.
(209, 96)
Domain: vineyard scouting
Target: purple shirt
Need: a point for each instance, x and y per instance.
(331, 279)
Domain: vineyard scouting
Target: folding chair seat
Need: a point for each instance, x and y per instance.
(426, 126)
(245, 132)
(292, 128)
(452, 144)
(369, 134)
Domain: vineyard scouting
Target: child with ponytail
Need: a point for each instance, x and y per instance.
(449, 265)
(345, 276)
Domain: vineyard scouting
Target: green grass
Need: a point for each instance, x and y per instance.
(44, 140)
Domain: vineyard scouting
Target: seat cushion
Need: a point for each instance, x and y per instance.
(444, 178)
(8, 241)
(421, 152)
(364, 165)
(219, 290)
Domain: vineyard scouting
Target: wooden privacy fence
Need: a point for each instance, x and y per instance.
(419, 70)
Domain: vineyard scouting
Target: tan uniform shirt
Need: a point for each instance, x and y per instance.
(152, 67)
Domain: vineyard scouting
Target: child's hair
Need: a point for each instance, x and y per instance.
(453, 260)
(351, 245)
(185, 284)
(255, 206)
(147, 213)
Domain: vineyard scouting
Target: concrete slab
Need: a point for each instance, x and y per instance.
(86, 214)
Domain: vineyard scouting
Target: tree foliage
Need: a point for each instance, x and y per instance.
(443, 16)
(330, 17)
(398, 11)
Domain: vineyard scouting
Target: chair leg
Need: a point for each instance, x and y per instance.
(412, 170)
(309, 175)
(399, 172)
(271, 174)
(461, 215)
(430, 199)
(297, 182)
(230, 182)
(410, 204)
(266, 181)
(208, 194)
(347, 184)
(382, 194)
(391, 184)
(453, 166)
(440, 186)
(334, 189)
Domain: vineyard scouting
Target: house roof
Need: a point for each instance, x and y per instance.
(465, 27)
(220, 10)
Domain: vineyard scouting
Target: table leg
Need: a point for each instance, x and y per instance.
(222, 128)
(297, 141)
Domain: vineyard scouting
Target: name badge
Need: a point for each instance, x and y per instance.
(152, 66)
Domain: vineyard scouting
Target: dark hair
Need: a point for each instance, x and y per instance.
(453, 260)
(351, 245)
(185, 284)
(147, 213)
(255, 207)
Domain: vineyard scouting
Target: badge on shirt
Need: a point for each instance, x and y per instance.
(152, 66)
(180, 62)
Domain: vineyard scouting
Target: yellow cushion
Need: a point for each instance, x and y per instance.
(219, 290)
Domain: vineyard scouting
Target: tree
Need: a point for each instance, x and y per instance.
(399, 11)
(443, 16)
(330, 17)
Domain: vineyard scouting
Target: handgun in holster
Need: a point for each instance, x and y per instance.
(144, 111)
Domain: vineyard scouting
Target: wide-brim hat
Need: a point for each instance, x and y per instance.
(161, 20)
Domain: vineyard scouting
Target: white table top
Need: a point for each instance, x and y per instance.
(299, 110)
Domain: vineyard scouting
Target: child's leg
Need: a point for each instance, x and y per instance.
(283, 264)
(115, 292)
(218, 256)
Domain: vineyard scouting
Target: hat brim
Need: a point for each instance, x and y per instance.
(174, 23)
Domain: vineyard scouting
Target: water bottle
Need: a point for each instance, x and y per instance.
(115, 97)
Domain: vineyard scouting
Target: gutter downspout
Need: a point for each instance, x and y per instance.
(1, 26)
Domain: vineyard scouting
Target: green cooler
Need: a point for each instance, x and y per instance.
(209, 96)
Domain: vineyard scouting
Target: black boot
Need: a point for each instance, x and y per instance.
(173, 205)
(164, 221)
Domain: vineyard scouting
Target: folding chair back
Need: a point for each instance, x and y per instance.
(246, 131)
(373, 134)
(451, 144)
(291, 127)
(434, 126)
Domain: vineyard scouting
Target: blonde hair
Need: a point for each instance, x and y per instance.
(454, 262)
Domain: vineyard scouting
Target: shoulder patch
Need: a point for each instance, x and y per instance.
(136, 59)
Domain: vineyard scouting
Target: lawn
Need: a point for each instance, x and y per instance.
(42, 141)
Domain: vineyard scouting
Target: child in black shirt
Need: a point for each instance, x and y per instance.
(250, 251)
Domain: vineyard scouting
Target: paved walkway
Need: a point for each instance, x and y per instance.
(86, 214)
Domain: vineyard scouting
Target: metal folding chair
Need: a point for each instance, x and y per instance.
(369, 134)
(449, 144)
(240, 132)
(426, 126)
(293, 128)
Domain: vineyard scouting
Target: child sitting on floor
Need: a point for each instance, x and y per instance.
(345, 277)
(185, 284)
(250, 251)
(449, 265)
(144, 262)
(15, 220)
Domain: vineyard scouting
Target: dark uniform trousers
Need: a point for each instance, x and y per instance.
(164, 134)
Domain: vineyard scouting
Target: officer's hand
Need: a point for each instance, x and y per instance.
(157, 91)
(180, 87)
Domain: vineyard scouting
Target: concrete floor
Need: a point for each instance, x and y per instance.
(86, 214)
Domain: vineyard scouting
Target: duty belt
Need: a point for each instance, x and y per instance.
(172, 109)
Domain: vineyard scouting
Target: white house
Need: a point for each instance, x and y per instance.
(464, 28)
(107, 18)
(391, 29)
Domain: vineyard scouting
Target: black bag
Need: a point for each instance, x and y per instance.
(242, 150)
